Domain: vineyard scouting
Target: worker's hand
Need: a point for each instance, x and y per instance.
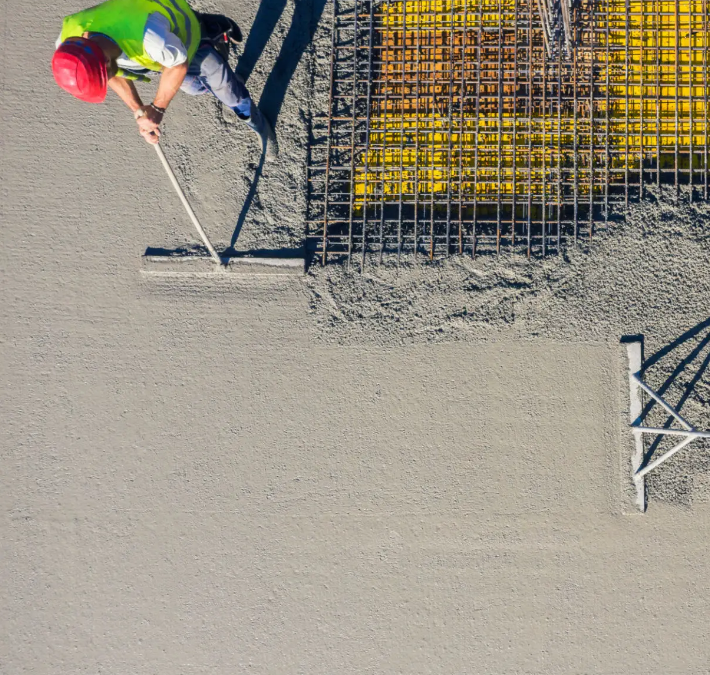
(149, 119)
(152, 137)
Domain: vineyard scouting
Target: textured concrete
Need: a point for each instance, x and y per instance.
(191, 487)
(193, 480)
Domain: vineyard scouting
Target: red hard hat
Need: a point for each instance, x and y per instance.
(79, 67)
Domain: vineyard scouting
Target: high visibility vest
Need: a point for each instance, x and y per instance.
(124, 22)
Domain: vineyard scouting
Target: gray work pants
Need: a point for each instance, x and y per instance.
(209, 72)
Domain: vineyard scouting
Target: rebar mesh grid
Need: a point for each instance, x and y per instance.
(450, 130)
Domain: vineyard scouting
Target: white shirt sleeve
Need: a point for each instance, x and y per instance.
(163, 46)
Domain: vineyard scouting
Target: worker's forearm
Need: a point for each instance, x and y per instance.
(126, 91)
(170, 81)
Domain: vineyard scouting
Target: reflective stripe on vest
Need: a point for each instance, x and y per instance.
(124, 22)
(168, 6)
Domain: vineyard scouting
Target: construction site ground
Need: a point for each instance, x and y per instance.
(407, 469)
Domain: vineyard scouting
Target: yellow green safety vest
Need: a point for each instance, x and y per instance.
(124, 22)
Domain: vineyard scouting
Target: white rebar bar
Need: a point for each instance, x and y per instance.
(634, 351)
(673, 432)
(186, 204)
(660, 400)
(652, 465)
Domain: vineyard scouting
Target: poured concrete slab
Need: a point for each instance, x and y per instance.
(197, 478)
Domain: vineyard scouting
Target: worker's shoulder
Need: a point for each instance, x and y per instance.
(161, 44)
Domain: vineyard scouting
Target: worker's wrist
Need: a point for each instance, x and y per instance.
(150, 111)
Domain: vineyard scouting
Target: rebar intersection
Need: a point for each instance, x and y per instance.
(451, 130)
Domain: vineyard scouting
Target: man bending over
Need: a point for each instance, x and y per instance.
(119, 41)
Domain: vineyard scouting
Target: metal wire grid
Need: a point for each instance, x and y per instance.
(449, 130)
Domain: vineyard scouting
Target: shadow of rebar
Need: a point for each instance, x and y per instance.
(680, 368)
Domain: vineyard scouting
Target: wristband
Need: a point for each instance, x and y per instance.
(157, 108)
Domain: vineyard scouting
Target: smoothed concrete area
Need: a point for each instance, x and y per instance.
(295, 475)
(200, 496)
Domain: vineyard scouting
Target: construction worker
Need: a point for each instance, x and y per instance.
(119, 41)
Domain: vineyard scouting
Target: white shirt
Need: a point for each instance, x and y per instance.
(162, 45)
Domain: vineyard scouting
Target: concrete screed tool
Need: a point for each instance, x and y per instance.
(224, 33)
(214, 264)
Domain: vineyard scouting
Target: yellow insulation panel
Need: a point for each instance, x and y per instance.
(455, 112)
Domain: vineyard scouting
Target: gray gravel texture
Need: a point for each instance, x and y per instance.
(647, 274)
(279, 476)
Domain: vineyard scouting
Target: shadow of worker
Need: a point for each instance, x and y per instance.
(306, 15)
